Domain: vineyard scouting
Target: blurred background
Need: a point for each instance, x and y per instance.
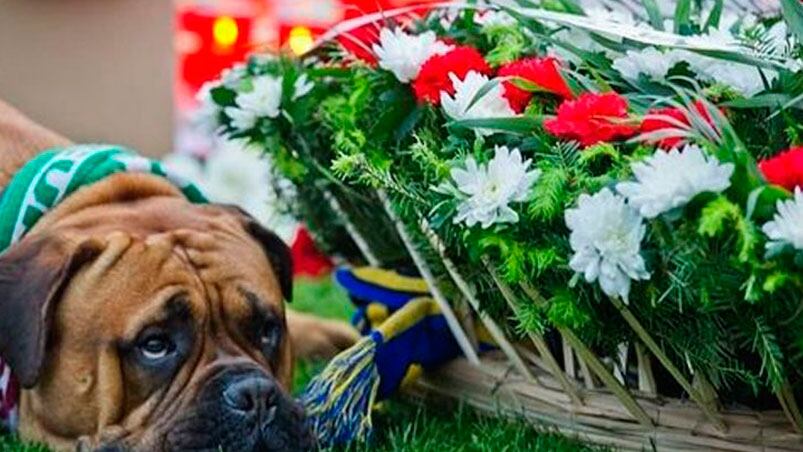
(126, 71)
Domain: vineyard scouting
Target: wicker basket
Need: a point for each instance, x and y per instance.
(581, 394)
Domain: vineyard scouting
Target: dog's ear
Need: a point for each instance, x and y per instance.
(33, 274)
(277, 252)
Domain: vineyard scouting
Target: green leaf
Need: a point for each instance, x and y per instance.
(486, 88)
(654, 14)
(715, 16)
(397, 104)
(775, 281)
(525, 85)
(571, 7)
(797, 102)
(564, 310)
(518, 124)
(549, 194)
(683, 17)
(223, 96)
(766, 202)
(408, 124)
(715, 215)
(768, 100)
(793, 15)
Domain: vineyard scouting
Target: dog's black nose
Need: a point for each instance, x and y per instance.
(252, 395)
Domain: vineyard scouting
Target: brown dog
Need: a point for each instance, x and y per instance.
(135, 320)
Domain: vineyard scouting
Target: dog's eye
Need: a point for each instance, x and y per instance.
(269, 338)
(154, 348)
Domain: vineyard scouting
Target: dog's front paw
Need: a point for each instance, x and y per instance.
(313, 337)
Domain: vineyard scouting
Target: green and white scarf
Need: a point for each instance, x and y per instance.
(55, 174)
(41, 185)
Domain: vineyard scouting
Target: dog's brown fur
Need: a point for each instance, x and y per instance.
(102, 266)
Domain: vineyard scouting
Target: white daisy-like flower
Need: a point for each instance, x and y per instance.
(648, 61)
(744, 78)
(207, 116)
(786, 227)
(491, 188)
(236, 175)
(668, 180)
(302, 86)
(494, 18)
(187, 167)
(491, 105)
(404, 54)
(606, 236)
(241, 120)
(231, 77)
(577, 38)
(263, 101)
(448, 16)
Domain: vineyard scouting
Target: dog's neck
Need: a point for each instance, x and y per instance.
(20, 140)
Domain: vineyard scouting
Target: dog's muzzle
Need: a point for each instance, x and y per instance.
(241, 410)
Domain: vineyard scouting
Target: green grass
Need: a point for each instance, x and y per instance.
(402, 426)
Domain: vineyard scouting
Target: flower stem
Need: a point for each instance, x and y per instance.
(537, 339)
(358, 239)
(594, 363)
(465, 288)
(707, 406)
(789, 405)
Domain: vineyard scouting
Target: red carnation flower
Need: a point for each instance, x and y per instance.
(592, 118)
(434, 74)
(540, 71)
(785, 169)
(654, 122)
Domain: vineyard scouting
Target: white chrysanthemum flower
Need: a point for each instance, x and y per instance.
(577, 38)
(491, 105)
(404, 54)
(491, 188)
(494, 18)
(187, 167)
(302, 86)
(231, 77)
(606, 237)
(263, 101)
(235, 175)
(207, 116)
(648, 61)
(668, 180)
(786, 227)
(241, 119)
(744, 78)
(448, 16)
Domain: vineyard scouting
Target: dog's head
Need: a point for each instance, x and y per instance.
(151, 325)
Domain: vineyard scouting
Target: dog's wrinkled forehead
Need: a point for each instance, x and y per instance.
(213, 254)
(218, 242)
